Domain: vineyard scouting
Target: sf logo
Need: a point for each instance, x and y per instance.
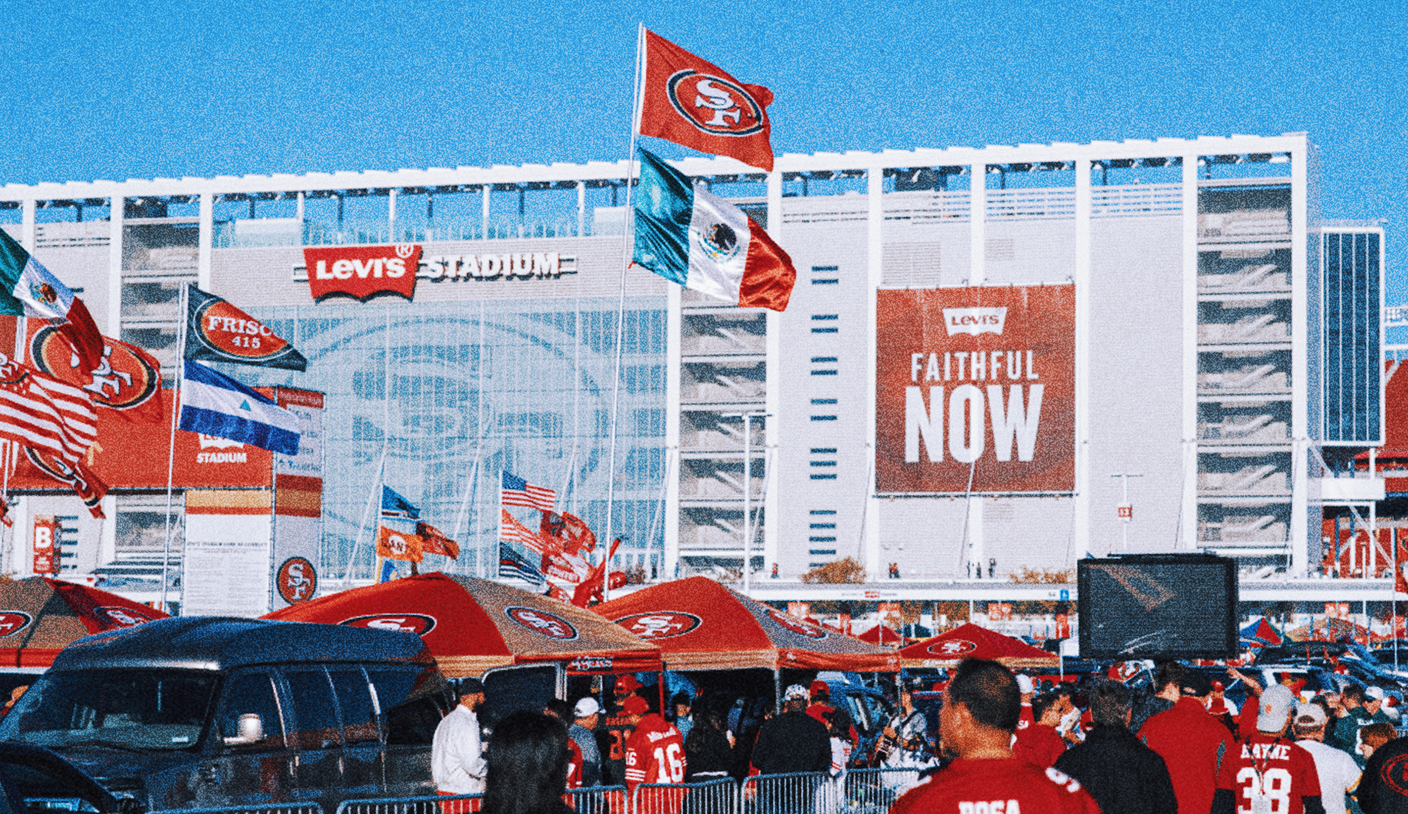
(714, 104)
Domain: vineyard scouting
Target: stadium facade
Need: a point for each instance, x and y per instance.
(1168, 351)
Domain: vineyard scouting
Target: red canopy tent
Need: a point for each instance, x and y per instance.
(970, 641)
(39, 616)
(471, 625)
(881, 634)
(702, 625)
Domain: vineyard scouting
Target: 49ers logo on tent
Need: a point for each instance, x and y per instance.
(417, 623)
(715, 104)
(953, 647)
(13, 621)
(796, 626)
(122, 617)
(661, 625)
(542, 623)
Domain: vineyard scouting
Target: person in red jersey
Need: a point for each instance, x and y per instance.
(980, 711)
(1039, 744)
(654, 755)
(1192, 743)
(1028, 691)
(1267, 772)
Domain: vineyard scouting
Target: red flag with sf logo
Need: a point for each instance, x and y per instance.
(695, 104)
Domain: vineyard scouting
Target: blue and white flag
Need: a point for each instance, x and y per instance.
(215, 404)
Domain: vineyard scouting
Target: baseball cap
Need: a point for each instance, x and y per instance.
(819, 686)
(1374, 693)
(796, 692)
(586, 707)
(470, 686)
(1217, 686)
(627, 683)
(1024, 684)
(635, 705)
(1310, 715)
(1274, 707)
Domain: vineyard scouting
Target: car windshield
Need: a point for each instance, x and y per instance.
(121, 709)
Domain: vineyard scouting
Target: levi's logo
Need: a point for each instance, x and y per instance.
(975, 320)
(362, 272)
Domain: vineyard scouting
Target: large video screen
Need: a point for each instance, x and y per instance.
(1157, 606)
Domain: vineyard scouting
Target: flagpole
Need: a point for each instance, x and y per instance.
(462, 516)
(371, 499)
(627, 234)
(171, 444)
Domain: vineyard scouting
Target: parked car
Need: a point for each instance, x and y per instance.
(33, 778)
(203, 712)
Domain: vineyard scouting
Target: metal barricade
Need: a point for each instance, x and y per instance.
(428, 804)
(871, 791)
(597, 799)
(268, 808)
(784, 793)
(702, 797)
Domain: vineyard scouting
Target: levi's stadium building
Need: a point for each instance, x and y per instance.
(995, 359)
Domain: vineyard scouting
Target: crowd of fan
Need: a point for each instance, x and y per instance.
(1001, 747)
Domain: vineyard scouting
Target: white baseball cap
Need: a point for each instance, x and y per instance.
(1376, 693)
(1024, 684)
(586, 708)
(1275, 707)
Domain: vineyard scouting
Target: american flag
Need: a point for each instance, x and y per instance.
(43, 413)
(512, 531)
(519, 492)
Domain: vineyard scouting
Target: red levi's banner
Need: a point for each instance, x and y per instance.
(362, 272)
(975, 385)
(697, 105)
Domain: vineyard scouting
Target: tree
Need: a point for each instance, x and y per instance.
(836, 572)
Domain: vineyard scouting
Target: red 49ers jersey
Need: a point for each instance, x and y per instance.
(1266, 774)
(1005, 786)
(654, 753)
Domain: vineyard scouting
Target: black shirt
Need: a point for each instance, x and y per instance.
(792, 742)
(1120, 772)
(1383, 789)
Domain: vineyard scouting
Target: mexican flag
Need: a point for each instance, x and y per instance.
(692, 237)
(27, 289)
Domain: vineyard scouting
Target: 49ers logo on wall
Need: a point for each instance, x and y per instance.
(542, 623)
(121, 617)
(297, 580)
(661, 625)
(797, 626)
(362, 272)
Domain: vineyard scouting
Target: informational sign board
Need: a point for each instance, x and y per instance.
(298, 502)
(975, 390)
(46, 544)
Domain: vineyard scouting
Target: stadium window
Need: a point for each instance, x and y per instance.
(825, 329)
(822, 512)
(823, 525)
(825, 275)
(823, 401)
(822, 539)
(823, 418)
(822, 552)
(823, 476)
(823, 371)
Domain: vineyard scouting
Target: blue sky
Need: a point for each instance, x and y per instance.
(163, 89)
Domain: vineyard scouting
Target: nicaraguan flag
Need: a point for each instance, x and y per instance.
(692, 237)
(217, 405)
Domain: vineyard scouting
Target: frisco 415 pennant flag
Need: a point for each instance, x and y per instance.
(696, 104)
(217, 331)
(694, 238)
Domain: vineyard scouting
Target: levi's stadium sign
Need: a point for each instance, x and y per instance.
(975, 385)
(362, 272)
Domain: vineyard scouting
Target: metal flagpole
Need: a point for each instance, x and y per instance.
(371, 501)
(171, 445)
(462, 516)
(626, 255)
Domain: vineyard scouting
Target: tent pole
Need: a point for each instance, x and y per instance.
(777, 691)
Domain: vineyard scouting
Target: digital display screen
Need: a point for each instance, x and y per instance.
(1158, 607)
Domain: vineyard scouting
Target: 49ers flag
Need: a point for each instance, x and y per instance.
(695, 104)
